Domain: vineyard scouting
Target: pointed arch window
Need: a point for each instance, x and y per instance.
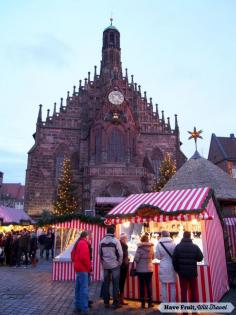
(156, 158)
(112, 39)
(116, 147)
(59, 164)
(98, 146)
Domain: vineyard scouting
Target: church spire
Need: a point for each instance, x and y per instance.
(176, 124)
(157, 112)
(55, 109)
(39, 120)
(95, 73)
(163, 118)
(111, 60)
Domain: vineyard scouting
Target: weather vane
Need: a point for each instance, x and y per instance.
(111, 19)
(194, 135)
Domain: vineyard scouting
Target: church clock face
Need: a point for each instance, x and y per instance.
(116, 97)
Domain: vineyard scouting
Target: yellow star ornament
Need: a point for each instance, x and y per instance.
(195, 135)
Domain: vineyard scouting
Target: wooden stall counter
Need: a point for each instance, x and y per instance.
(204, 285)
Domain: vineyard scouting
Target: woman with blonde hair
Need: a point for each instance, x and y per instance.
(144, 267)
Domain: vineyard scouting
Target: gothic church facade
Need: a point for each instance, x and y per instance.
(110, 131)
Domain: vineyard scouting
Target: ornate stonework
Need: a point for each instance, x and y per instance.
(110, 131)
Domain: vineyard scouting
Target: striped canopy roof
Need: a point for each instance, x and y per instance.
(181, 205)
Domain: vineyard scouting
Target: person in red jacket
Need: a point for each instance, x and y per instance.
(80, 256)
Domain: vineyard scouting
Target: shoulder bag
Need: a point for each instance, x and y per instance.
(133, 271)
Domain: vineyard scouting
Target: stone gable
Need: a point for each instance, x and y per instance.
(115, 141)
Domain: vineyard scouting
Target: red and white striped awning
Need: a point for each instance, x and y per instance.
(181, 205)
(230, 224)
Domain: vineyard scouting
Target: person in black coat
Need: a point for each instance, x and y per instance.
(124, 266)
(49, 244)
(2, 253)
(42, 242)
(7, 248)
(185, 258)
(15, 250)
(33, 249)
(24, 245)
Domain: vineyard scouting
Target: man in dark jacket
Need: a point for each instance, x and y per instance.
(185, 258)
(49, 244)
(7, 248)
(15, 250)
(42, 242)
(124, 268)
(24, 245)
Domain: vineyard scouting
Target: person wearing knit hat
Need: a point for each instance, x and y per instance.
(123, 235)
(124, 266)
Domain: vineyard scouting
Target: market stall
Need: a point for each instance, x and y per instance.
(176, 211)
(230, 224)
(14, 219)
(66, 234)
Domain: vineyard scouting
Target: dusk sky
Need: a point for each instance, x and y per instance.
(182, 52)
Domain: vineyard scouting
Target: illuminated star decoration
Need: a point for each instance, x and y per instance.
(194, 135)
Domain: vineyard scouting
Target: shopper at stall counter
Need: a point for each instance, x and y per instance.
(185, 258)
(124, 266)
(144, 267)
(80, 256)
(167, 274)
(111, 255)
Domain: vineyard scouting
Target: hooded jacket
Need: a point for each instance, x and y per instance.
(166, 269)
(144, 256)
(111, 252)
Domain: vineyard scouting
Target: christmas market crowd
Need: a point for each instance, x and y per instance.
(21, 248)
(180, 259)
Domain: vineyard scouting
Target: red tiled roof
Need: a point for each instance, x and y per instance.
(15, 190)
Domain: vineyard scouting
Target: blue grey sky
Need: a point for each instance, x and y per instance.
(182, 52)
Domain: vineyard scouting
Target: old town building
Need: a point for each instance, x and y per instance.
(222, 153)
(112, 133)
(11, 194)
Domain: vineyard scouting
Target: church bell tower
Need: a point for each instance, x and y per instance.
(111, 56)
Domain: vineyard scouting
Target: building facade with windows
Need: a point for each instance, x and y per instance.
(109, 129)
(222, 153)
(12, 195)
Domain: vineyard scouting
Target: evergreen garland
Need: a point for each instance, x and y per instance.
(54, 219)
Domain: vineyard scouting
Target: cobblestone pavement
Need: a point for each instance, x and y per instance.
(31, 291)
